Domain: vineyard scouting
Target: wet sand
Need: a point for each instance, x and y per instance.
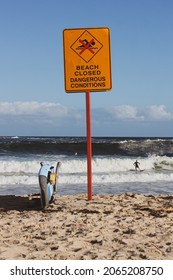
(109, 227)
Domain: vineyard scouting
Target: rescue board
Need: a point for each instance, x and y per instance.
(48, 181)
(57, 174)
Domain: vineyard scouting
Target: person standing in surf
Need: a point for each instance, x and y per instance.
(136, 164)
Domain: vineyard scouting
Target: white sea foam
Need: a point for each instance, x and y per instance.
(73, 171)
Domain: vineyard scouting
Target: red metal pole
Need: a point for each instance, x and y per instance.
(89, 146)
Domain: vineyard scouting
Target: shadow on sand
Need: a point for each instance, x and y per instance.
(28, 202)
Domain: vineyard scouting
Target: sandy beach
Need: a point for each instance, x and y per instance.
(109, 227)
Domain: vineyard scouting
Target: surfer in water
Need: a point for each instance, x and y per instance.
(136, 164)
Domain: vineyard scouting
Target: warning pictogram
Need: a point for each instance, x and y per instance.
(86, 46)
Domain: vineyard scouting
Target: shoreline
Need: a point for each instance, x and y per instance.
(109, 227)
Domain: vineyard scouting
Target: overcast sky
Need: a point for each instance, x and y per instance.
(33, 100)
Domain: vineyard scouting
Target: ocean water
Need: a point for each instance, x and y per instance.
(112, 164)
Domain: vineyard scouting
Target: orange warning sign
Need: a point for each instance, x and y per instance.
(87, 61)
